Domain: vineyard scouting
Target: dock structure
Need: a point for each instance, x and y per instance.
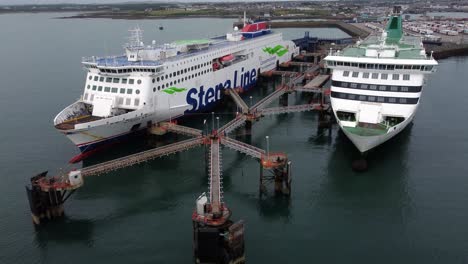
(313, 57)
(216, 238)
(314, 86)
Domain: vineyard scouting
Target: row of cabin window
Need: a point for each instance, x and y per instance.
(149, 70)
(113, 80)
(372, 98)
(389, 67)
(120, 100)
(182, 79)
(176, 73)
(113, 89)
(388, 88)
(127, 70)
(375, 75)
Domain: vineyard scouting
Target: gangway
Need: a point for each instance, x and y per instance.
(291, 109)
(269, 99)
(238, 100)
(215, 177)
(242, 147)
(140, 157)
(232, 125)
(188, 131)
(47, 195)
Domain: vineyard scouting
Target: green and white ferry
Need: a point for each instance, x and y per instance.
(377, 84)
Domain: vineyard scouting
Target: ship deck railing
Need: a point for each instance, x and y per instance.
(71, 122)
(122, 60)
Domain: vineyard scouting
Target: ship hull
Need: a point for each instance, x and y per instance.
(377, 84)
(189, 85)
(98, 138)
(366, 143)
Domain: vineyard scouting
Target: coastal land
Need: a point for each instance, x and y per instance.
(352, 17)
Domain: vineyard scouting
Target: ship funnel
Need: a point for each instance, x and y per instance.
(396, 10)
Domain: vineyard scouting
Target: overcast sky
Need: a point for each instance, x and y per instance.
(21, 2)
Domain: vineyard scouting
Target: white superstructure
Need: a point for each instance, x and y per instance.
(153, 83)
(377, 84)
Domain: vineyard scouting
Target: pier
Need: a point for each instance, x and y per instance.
(216, 238)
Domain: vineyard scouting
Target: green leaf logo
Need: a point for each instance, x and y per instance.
(173, 89)
(278, 50)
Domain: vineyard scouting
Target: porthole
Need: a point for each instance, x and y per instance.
(154, 89)
(139, 81)
(90, 77)
(137, 91)
(154, 80)
(89, 86)
(157, 79)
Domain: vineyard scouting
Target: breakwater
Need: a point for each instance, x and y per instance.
(350, 29)
(447, 49)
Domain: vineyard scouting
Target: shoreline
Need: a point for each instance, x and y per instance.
(137, 16)
(446, 50)
(140, 17)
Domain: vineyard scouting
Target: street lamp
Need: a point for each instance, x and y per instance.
(204, 127)
(212, 120)
(217, 121)
(250, 101)
(268, 147)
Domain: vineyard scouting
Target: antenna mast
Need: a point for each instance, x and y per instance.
(244, 19)
(136, 38)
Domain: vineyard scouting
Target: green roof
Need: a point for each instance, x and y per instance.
(406, 47)
(361, 131)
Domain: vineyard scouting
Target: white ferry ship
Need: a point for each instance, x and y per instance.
(153, 83)
(377, 84)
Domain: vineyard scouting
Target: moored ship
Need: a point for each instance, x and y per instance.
(377, 84)
(152, 83)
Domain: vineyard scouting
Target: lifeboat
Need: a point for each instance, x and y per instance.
(227, 58)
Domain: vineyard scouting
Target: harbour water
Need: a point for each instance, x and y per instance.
(409, 207)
